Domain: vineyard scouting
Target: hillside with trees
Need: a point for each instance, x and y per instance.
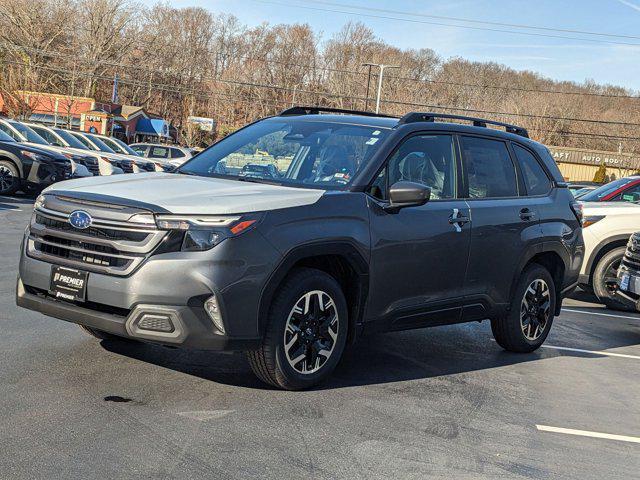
(189, 61)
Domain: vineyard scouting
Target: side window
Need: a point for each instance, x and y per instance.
(535, 178)
(48, 136)
(425, 159)
(490, 171)
(631, 194)
(176, 153)
(159, 152)
(141, 149)
(10, 132)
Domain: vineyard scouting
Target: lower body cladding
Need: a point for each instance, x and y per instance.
(628, 291)
(191, 300)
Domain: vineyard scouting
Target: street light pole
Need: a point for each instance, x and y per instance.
(382, 68)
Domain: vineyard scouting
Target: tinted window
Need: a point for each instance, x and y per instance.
(70, 139)
(5, 138)
(425, 159)
(11, 133)
(84, 141)
(631, 194)
(535, 178)
(176, 153)
(48, 136)
(28, 133)
(490, 171)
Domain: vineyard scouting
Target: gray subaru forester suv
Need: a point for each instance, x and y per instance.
(364, 223)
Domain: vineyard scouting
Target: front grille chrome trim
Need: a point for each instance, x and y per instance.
(110, 246)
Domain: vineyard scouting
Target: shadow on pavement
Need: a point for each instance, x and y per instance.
(395, 357)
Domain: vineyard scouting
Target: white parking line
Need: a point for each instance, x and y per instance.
(593, 352)
(596, 313)
(586, 433)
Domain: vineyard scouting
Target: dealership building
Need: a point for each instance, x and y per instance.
(130, 123)
(579, 164)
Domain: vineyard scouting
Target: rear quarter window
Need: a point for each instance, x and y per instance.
(535, 178)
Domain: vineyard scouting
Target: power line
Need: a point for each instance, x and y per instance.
(352, 72)
(251, 100)
(442, 24)
(477, 22)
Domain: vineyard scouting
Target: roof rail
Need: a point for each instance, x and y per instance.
(477, 122)
(299, 110)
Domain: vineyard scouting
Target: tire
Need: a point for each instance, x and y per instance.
(102, 335)
(308, 332)
(604, 279)
(518, 334)
(9, 178)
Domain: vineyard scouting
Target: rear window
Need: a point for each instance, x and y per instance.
(158, 152)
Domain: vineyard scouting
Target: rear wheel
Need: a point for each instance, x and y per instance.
(527, 323)
(306, 332)
(9, 178)
(605, 277)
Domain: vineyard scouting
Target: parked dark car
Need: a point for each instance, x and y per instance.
(23, 167)
(622, 190)
(255, 170)
(377, 224)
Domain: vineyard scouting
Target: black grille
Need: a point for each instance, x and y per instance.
(107, 233)
(126, 166)
(84, 257)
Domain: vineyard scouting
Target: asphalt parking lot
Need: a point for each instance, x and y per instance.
(438, 403)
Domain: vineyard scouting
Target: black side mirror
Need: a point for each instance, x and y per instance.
(407, 194)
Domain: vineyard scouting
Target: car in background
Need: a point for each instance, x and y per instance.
(119, 146)
(580, 188)
(625, 189)
(173, 154)
(96, 162)
(628, 281)
(128, 163)
(256, 170)
(606, 228)
(22, 133)
(27, 168)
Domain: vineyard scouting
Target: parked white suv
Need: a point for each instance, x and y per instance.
(607, 227)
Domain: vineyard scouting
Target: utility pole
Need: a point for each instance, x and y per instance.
(366, 102)
(382, 68)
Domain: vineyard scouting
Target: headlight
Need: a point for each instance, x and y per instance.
(40, 202)
(589, 220)
(35, 156)
(203, 232)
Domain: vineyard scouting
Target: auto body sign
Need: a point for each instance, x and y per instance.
(586, 157)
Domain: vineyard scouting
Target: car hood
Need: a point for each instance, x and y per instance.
(186, 194)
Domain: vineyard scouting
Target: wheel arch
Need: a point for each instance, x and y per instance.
(602, 249)
(14, 160)
(341, 260)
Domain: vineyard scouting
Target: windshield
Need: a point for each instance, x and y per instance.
(119, 146)
(5, 138)
(291, 151)
(29, 134)
(103, 147)
(604, 190)
(70, 140)
(84, 141)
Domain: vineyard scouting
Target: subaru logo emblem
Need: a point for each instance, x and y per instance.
(80, 219)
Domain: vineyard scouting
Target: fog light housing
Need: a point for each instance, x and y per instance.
(213, 310)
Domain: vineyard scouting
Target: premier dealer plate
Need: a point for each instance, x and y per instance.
(68, 284)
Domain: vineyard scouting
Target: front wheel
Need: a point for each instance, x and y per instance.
(527, 323)
(306, 332)
(9, 178)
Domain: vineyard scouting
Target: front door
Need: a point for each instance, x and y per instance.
(419, 254)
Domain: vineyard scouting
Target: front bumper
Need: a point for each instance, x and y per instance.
(628, 291)
(173, 285)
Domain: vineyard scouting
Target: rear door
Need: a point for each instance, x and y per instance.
(505, 220)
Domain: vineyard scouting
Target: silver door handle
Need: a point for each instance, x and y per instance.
(457, 220)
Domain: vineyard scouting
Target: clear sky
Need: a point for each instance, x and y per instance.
(572, 59)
